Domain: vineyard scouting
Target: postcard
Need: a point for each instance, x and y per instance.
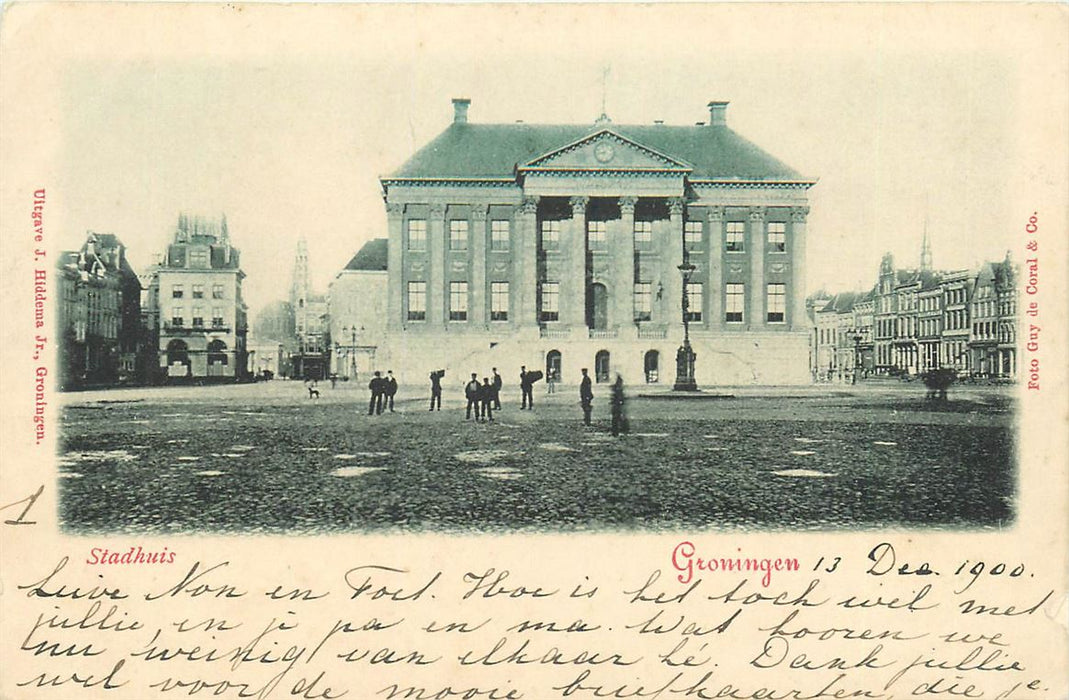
(500, 352)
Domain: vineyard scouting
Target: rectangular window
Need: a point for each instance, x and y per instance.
(643, 301)
(499, 234)
(734, 302)
(499, 301)
(736, 236)
(217, 316)
(692, 236)
(217, 291)
(458, 301)
(177, 292)
(643, 234)
(198, 317)
(694, 302)
(550, 301)
(550, 235)
(777, 236)
(417, 234)
(777, 302)
(198, 257)
(596, 235)
(458, 235)
(417, 301)
(198, 291)
(177, 316)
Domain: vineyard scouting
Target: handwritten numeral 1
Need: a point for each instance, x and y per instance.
(29, 501)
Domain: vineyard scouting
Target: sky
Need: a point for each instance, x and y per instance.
(285, 122)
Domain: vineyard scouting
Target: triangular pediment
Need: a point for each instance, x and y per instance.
(605, 150)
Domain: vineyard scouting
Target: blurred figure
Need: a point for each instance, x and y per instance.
(389, 389)
(526, 384)
(619, 417)
(376, 386)
(496, 384)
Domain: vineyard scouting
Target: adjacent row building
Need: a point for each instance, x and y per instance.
(559, 247)
(916, 320)
(98, 313)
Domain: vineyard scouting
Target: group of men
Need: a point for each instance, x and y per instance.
(485, 397)
(383, 390)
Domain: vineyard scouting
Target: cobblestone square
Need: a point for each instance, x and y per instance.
(266, 458)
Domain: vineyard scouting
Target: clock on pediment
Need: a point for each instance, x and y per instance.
(604, 152)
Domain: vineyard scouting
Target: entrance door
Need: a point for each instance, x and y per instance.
(599, 307)
(650, 363)
(601, 366)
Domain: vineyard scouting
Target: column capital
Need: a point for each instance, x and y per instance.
(529, 205)
(757, 214)
(798, 214)
(478, 212)
(578, 205)
(675, 206)
(716, 213)
(437, 210)
(394, 208)
(627, 205)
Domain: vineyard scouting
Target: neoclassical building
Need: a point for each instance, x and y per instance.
(560, 246)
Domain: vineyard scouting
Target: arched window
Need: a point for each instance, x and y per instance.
(553, 373)
(650, 365)
(177, 352)
(217, 352)
(601, 366)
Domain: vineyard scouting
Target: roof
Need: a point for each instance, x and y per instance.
(840, 303)
(371, 257)
(494, 151)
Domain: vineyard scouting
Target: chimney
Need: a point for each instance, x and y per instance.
(718, 113)
(460, 110)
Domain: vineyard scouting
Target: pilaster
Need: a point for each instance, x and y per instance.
(715, 293)
(797, 243)
(436, 277)
(624, 266)
(673, 257)
(477, 301)
(525, 260)
(394, 264)
(756, 289)
(574, 298)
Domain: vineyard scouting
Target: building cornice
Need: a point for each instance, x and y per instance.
(745, 184)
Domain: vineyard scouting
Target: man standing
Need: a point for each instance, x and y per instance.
(527, 399)
(436, 390)
(390, 389)
(586, 397)
(471, 393)
(497, 383)
(487, 400)
(375, 385)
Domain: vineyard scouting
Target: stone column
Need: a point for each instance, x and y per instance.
(797, 243)
(757, 289)
(525, 260)
(573, 296)
(436, 263)
(623, 249)
(715, 292)
(394, 265)
(673, 258)
(477, 293)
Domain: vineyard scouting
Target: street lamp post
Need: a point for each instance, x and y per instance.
(685, 355)
(856, 337)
